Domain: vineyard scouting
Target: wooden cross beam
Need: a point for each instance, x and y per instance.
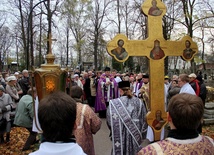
(156, 49)
(49, 40)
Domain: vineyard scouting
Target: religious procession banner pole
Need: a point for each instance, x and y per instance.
(156, 49)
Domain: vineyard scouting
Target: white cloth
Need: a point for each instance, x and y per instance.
(79, 83)
(134, 87)
(117, 79)
(166, 88)
(36, 125)
(47, 148)
(138, 87)
(150, 134)
(187, 88)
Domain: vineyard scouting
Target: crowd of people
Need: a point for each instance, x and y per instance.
(123, 99)
(12, 88)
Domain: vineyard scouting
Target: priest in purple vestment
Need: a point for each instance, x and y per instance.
(107, 89)
(126, 118)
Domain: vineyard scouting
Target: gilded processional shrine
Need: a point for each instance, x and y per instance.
(156, 49)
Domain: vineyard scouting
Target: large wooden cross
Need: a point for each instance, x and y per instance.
(156, 49)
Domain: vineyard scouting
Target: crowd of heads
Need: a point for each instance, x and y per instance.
(7, 76)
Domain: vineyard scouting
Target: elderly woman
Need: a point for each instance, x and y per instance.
(5, 108)
(12, 90)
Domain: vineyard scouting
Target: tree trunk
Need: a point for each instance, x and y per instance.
(118, 16)
(40, 42)
(67, 45)
(31, 35)
(23, 35)
(95, 49)
(49, 17)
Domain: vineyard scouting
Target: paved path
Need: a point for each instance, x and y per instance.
(102, 142)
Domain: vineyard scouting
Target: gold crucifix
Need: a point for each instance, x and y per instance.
(156, 49)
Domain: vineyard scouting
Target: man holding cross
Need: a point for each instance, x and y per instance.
(184, 116)
(156, 68)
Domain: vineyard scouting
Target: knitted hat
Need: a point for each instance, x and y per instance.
(10, 78)
(192, 75)
(166, 77)
(76, 75)
(16, 73)
(2, 88)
